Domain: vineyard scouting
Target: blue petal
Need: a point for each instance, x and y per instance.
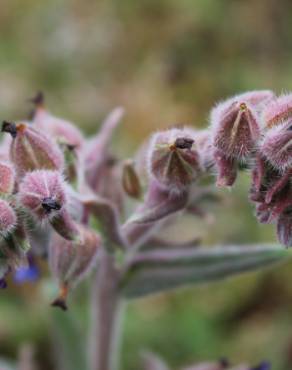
(24, 274)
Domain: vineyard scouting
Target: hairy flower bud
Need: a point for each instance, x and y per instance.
(62, 130)
(8, 218)
(130, 180)
(42, 192)
(235, 129)
(70, 261)
(276, 145)
(7, 178)
(31, 149)
(277, 111)
(173, 159)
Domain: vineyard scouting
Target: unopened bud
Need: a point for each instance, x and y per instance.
(60, 129)
(130, 180)
(235, 128)
(235, 131)
(173, 159)
(42, 193)
(31, 149)
(8, 218)
(277, 111)
(7, 178)
(70, 262)
(277, 145)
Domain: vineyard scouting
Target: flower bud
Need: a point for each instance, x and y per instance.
(8, 218)
(42, 192)
(62, 130)
(277, 111)
(276, 145)
(235, 130)
(173, 159)
(7, 178)
(284, 228)
(31, 149)
(130, 180)
(70, 261)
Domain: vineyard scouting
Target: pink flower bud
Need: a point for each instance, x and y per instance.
(42, 192)
(62, 130)
(8, 218)
(70, 262)
(173, 159)
(235, 129)
(7, 178)
(31, 149)
(277, 111)
(284, 228)
(276, 145)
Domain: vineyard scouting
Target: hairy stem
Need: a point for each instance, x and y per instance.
(106, 315)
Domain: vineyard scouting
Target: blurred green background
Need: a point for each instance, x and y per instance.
(166, 62)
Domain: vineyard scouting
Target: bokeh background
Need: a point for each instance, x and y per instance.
(166, 62)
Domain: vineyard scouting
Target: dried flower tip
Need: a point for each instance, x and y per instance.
(7, 178)
(173, 160)
(8, 218)
(277, 145)
(60, 301)
(38, 99)
(277, 111)
(9, 127)
(183, 143)
(50, 204)
(130, 180)
(31, 150)
(42, 192)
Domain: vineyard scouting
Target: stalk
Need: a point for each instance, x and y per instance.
(106, 313)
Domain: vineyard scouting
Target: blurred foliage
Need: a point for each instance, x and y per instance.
(167, 62)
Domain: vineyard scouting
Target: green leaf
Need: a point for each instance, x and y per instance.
(164, 269)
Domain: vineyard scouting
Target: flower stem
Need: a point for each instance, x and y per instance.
(106, 315)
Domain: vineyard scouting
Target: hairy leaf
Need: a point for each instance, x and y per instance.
(159, 270)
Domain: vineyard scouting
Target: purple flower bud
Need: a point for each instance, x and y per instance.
(276, 145)
(42, 192)
(131, 181)
(235, 129)
(70, 262)
(173, 159)
(8, 218)
(62, 130)
(7, 178)
(31, 149)
(284, 228)
(277, 111)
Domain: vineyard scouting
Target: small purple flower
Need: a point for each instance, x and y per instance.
(28, 273)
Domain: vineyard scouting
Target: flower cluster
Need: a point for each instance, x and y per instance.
(54, 183)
